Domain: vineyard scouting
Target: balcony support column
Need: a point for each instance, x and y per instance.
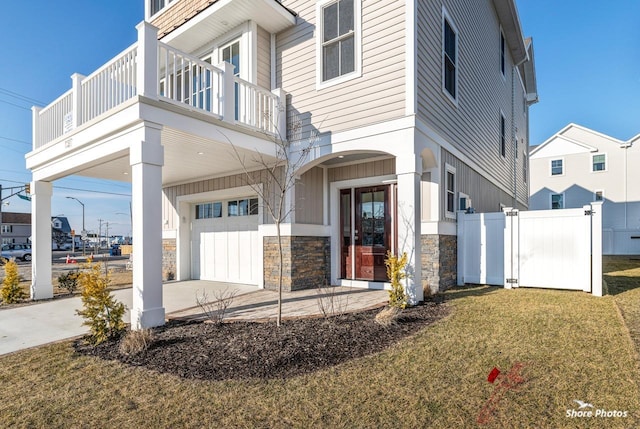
(147, 75)
(147, 159)
(228, 109)
(280, 118)
(41, 285)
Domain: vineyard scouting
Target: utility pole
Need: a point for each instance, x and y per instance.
(99, 236)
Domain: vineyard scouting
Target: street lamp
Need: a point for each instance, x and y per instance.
(84, 233)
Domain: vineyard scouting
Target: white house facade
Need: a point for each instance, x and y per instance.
(414, 110)
(577, 166)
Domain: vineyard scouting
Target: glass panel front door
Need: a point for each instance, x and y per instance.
(366, 239)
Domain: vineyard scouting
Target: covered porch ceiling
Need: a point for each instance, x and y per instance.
(187, 157)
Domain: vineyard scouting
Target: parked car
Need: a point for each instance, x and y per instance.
(17, 251)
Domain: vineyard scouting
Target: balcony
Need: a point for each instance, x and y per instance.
(155, 71)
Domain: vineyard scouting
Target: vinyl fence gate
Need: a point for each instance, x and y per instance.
(555, 249)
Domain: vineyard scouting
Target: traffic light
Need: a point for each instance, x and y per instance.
(27, 188)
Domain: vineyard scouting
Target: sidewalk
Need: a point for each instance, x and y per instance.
(55, 320)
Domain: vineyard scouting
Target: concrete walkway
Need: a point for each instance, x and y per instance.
(36, 324)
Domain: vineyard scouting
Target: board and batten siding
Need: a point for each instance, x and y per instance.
(378, 95)
(171, 193)
(485, 196)
(382, 167)
(473, 126)
(264, 58)
(309, 197)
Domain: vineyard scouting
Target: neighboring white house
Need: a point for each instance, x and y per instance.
(577, 166)
(416, 109)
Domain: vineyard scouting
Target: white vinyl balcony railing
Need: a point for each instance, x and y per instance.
(155, 70)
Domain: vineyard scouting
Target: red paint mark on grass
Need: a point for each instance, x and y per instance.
(509, 382)
(493, 375)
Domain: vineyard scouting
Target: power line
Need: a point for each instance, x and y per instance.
(15, 105)
(15, 140)
(20, 96)
(75, 189)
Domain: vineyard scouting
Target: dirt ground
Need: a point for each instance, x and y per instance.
(241, 350)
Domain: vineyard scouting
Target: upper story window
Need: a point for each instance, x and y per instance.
(525, 173)
(502, 53)
(503, 135)
(158, 5)
(339, 41)
(449, 57)
(598, 195)
(599, 162)
(557, 168)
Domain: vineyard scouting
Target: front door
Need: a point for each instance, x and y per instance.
(366, 232)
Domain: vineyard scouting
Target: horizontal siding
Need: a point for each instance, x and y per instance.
(178, 14)
(376, 96)
(473, 126)
(264, 58)
(309, 197)
(485, 196)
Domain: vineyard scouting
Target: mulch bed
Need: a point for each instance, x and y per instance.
(242, 350)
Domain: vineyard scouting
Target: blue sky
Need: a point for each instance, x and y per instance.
(587, 61)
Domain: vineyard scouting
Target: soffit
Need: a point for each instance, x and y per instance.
(225, 15)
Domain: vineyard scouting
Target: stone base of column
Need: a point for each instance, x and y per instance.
(147, 318)
(439, 262)
(168, 259)
(306, 262)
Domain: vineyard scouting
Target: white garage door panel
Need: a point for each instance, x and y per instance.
(225, 249)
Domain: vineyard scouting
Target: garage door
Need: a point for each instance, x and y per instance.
(224, 241)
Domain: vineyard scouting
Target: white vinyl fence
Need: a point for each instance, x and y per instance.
(556, 249)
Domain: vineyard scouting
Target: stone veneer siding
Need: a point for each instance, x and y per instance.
(168, 259)
(439, 262)
(306, 262)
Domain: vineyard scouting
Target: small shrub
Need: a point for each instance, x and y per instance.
(216, 310)
(388, 316)
(69, 281)
(102, 312)
(330, 303)
(136, 342)
(11, 291)
(396, 273)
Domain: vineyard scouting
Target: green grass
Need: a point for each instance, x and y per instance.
(571, 346)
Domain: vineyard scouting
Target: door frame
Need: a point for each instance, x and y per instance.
(336, 235)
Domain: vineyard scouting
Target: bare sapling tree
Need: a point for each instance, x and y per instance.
(272, 177)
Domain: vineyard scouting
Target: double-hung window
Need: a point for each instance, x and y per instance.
(502, 53)
(557, 167)
(449, 57)
(339, 42)
(557, 201)
(450, 192)
(158, 5)
(598, 162)
(503, 135)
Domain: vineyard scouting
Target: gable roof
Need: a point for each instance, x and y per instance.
(562, 135)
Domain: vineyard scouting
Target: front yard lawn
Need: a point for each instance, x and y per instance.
(552, 348)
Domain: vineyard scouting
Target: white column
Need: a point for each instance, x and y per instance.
(147, 74)
(35, 126)
(41, 285)
(76, 112)
(147, 158)
(228, 90)
(280, 118)
(408, 168)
